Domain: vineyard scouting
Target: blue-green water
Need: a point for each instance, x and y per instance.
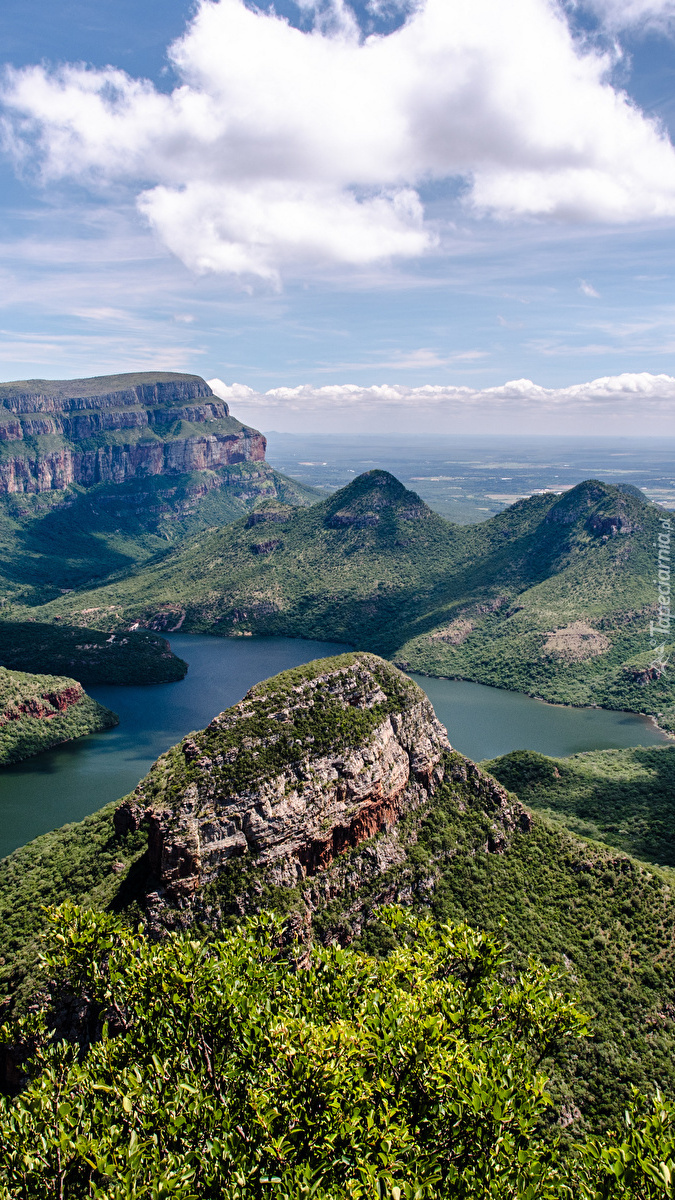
(484, 722)
(67, 783)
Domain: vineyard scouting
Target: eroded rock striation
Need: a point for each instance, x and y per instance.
(54, 433)
(308, 766)
(40, 711)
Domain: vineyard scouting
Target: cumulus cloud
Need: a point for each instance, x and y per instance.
(639, 402)
(282, 146)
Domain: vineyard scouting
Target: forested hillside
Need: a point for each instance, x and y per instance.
(41, 711)
(324, 820)
(553, 596)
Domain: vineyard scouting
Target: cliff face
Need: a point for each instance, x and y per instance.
(43, 705)
(116, 428)
(307, 767)
(40, 711)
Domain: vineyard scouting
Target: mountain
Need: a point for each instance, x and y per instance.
(624, 798)
(98, 657)
(331, 790)
(98, 474)
(41, 711)
(552, 597)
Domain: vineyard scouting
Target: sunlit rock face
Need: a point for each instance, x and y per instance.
(309, 766)
(114, 428)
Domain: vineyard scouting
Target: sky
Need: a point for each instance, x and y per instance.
(385, 216)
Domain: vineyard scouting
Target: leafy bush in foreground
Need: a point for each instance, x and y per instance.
(220, 1068)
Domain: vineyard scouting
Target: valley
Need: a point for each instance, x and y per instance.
(553, 597)
(71, 781)
(277, 761)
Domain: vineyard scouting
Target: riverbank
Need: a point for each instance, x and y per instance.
(74, 780)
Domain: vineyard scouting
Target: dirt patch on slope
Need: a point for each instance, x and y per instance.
(576, 642)
(455, 633)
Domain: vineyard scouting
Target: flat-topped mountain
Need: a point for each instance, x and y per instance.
(102, 391)
(115, 428)
(554, 596)
(332, 790)
(100, 473)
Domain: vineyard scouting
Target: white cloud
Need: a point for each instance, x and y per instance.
(640, 403)
(588, 290)
(627, 14)
(281, 147)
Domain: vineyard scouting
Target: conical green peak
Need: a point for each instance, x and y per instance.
(363, 501)
(603, 508)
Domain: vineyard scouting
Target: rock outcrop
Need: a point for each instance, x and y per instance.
(307, 767)
(44, 706)
(41, 711)
(115, 428)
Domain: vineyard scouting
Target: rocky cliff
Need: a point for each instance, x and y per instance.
(307, 767)
(41, 711)
(54, 433)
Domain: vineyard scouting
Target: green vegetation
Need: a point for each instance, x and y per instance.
(86, 862)
(600, 917)
(58, 540)
(469, 854)
(552, 597)
(215, 1068)
(91, 657)
(624, 798)
(255, 740)
(41, 711)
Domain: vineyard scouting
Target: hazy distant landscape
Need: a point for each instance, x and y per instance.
(468, 478)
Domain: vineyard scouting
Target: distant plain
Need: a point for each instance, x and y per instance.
(469, 478)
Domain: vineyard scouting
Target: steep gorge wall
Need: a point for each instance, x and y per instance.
(143, 429)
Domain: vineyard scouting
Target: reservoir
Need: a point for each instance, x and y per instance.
(71, 781)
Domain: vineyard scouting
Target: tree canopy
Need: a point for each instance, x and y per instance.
(243, 1066)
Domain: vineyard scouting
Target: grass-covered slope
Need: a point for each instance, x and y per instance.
(625, 798)
(59, 540)
(605, 919)
(552, 597)
(41, 711)
(130, 658)
(361, 566)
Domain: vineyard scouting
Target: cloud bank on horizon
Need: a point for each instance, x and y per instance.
(631, 403)
(282, 147)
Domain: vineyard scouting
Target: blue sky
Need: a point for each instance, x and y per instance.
(521, 225)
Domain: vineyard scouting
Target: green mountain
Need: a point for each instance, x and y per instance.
(552, 597)
(41, 711)
(97, 475)
(331, 790)
(624, 798)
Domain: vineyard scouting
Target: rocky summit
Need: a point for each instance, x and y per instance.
(310, 764)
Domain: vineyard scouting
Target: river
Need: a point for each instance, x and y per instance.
(67, 783)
